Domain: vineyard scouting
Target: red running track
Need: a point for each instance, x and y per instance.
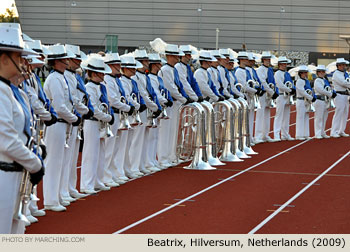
(235, 206)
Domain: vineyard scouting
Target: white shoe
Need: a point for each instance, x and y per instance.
(343, 134)
(300, 138)
(58, 208)
(102, 188)
(258, 141)
(133, 175)
(112, 184)
(335, 135)
(119, 181)
(32, 219)
(77, 195)
(64, 203)
(145, 171)
(166, 164)
(326, 136)
(88, 191)
(308, 138)
(277, 139)
(153, 169)
(69, 199)
(319, 137)
(123, 178)
(252, 144)
(38, 213)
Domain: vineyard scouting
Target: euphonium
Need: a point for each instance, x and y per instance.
(290, 85)
(269, 101)
(123, 116)
(310, 106)
(329, 101)
(151, 122)
(105, 128)
(136, 120)
(191, 137)
(239, 87)
(164, 114)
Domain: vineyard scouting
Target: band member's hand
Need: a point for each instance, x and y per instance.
(236, 96)
(200, 99)
(43, 151)
(157, 113)
(275, 95)
(169, 103)
(313, 99)
(262, 92)
(112, 120)
(77, 122)
(221, 98)
(258, 90)
(52, 121)
(132, 109)
(142, 108)
(227, 97)
(88, 115)
(334, 94)
(293, 92)
(35, 178)
(189, 100)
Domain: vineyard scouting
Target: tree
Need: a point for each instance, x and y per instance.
(9, 17)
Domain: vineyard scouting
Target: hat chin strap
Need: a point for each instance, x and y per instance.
(63, 63)
(20, 71)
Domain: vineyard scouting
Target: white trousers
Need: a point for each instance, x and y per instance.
(321, 114)
(111, 152)
(55, 141)
(302, 121)
(165, 136)
(173, 129)
(341, 114)
(151, 151)
(281, 122)
(67, 168)
(136, 150)
(9, 189)
(262, 120)
(72, 183)
(93, 157)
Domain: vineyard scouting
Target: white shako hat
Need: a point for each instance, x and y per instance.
(242, 55)
(172, 49)
(112, 58)
(206, 56)
(129, 61)
(321, 68)
(95, 63)
(303, 69)
(59, 52)
(340, 61)
(186, 49)
(283, 59)
(140, 54)
(217, 54)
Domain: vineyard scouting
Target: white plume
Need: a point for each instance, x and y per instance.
(158, 45)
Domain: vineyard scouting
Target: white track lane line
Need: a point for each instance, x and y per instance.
(254, 230)
(208, 188)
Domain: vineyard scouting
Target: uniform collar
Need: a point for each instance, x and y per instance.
(6, 81)
(126, 77)
(55, 70)
(96, 83)
(169, 65)
(113, 76)
(73, 72)
(204, 68)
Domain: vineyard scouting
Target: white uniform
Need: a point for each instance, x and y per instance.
(167, 136)
(233, 86)
(341, 104)
(152, 161)
(321, 111)
(12, 148)
(182, 70)
(93, 156)
(126, 136)
(201, 75)
(302, 121)
(57, 92)
(281, 122)
(113, 169)
(241, 76)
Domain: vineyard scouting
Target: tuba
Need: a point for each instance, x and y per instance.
(105, 128)
(328, 100)
(309, 106)
(269, 101)
(136, 120)
(123, 116)
(191, 137)
(289, 85)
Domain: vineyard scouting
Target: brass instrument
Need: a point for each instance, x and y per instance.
(191, 137)
(309, 106)
(80, 130)
(210, 134)
(136, 120)
(237, 129)
(151, 122)
(164, 114)
(290, 86)
(105, 128)
(269, 101)
(329, 101)
(123, 116)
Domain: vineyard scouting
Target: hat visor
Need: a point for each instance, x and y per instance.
(36, 61)
(24, 52)
(107, 69)
(138, 65)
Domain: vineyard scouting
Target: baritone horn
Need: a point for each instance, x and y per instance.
(269, 101)
(329, 100)
(290, 86)
(309, 106)
(164, 114)
(123, 116)
(136, 120)
(105, 128)
(257, 105)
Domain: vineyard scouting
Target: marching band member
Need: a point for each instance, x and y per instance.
(114, 171)
(217, 72)
(15, 157)
(57, 90)
(141, 136)
(83, 110)
(341, 83)
(93, 156)
(303, 100)
(128, 67)
(243, 76)
(165, 101)
(321, 110)
(281, 122)
(169, 74)
(233, 79)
